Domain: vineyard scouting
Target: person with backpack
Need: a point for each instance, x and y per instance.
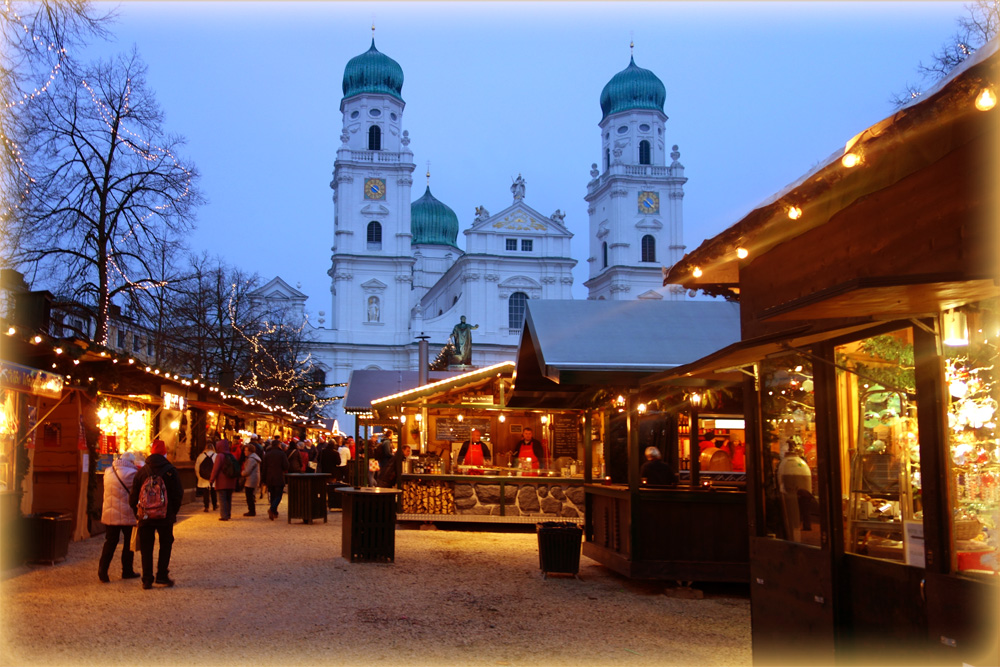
(203, 468)
(155, 499)
(251, 478)
(117, 517)
(225, 472)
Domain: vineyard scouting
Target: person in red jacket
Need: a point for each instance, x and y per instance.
(224, 483)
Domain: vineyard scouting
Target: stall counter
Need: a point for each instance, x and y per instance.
(491, 498)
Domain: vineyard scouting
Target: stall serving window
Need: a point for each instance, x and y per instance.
(970, 337)
(791, 490)
(879, 448)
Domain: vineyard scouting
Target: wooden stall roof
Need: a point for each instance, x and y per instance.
(569, 347)
(912, 139)
(463, 382)
(723, 365)
(365, 385)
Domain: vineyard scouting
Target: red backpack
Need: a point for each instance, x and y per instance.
(153, 498)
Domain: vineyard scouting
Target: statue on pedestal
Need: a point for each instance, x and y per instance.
(461, 338)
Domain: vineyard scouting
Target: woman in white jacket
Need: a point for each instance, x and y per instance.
(117, 516)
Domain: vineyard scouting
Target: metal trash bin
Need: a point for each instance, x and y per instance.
(368, 532)
(307, 496)
(47, 536)
(559, 547)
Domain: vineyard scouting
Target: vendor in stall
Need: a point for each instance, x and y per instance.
(474, 451)
(528, 449)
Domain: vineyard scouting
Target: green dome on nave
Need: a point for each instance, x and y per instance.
(632, 88)
(432, 222)
(373, 72)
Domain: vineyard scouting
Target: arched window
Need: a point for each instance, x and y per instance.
(604, 255)
(648, 248)
(374, 235)
(516, 307)
(607, 159)
(374, 138)
(643, 152)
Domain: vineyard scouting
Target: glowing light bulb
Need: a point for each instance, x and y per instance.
(696, 272)
(850, 160)
(986, 99)
(742, 253)
(794, 212)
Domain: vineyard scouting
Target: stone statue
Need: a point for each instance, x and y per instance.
(481, 213)
(558, 216)
(373, 309)
(517, 187)
(461, 338)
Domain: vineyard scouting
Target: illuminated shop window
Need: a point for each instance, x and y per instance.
(879, 448)
(791, 489)
(971, 373)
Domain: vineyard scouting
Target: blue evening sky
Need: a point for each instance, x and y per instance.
(757, 94)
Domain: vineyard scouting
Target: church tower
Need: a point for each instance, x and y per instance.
(635, 199)
(372, 262)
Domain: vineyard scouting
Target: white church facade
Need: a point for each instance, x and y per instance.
(398, 273)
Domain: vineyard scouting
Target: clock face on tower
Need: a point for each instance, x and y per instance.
(374, 188)
(649, 202)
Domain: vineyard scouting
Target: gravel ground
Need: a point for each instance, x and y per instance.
(256, 591)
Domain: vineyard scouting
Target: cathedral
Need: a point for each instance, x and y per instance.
(398, 272)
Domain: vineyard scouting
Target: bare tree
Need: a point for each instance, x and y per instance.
(977, 27)
(38, 43)
(110, 186)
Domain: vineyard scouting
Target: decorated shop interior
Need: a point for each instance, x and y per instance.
(691, 530)
(870, 315)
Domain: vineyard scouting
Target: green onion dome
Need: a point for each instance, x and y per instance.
(432, 222)
(632, 88)
(373, 72)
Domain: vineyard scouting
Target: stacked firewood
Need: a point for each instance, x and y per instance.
(422, 497)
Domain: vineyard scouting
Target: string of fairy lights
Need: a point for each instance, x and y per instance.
(291, 376)
(80, 379)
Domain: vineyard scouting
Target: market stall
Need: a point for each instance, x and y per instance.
(694, 530)
(871, 309)
(436, 419)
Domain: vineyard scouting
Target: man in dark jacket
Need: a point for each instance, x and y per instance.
(157, 464)
(272, 474)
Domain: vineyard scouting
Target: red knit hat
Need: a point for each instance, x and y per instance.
(158, 447)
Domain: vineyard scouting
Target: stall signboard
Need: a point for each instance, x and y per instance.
(454, 430)
(565, 436)
(30, 380)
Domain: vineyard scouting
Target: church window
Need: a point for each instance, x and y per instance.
(354, 114)
(374, 235)
(374, 113)
(648, 248)
(607, 159)
(393, 116)
(644, 128)
(644, 152)
(374, 138)
(517, 304)
(511, 244)
(623, 129)
(604, 255)
(526, 245)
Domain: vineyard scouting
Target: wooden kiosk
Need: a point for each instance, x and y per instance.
(695, 531)
(870, 309)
